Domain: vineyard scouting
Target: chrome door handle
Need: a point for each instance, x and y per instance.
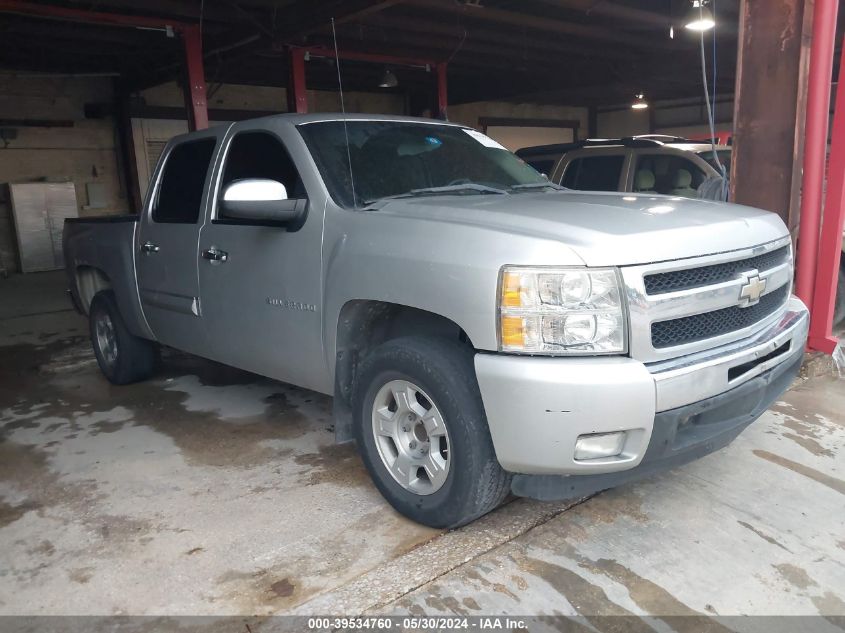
(215, 255)
(149, 247)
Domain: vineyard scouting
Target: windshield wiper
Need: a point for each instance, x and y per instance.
(537, 185)
(470, 187)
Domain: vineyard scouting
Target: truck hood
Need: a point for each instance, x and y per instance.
(606, 229)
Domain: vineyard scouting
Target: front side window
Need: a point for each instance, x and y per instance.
(667, 174)
(261, 155)
(390, 158)
(179, 198)
(594, 173)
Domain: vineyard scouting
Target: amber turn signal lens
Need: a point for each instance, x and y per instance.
(513, 332)
(511, 290)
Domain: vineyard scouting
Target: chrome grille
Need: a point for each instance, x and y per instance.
(675, 280)
(666, 324)
(699, 327)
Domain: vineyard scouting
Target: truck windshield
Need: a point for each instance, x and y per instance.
(395, 158)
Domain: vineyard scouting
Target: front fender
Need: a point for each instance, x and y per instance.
(449, 269)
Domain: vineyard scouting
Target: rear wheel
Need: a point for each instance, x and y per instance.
(123, 357)
(422, 432)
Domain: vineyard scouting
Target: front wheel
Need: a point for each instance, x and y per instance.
(123, 357)
(422, 432)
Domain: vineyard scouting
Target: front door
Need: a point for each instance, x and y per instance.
(259, 283)
(166, 249)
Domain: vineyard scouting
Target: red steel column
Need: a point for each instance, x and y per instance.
(195, 100)
(815, 145)
(442, 96)
(297, 95)
(830, 243)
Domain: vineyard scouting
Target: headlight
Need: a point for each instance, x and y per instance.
(561, 311)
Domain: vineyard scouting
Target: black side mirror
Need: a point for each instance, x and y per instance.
(261, 200)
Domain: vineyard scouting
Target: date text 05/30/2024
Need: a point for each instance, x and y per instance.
(477, 623)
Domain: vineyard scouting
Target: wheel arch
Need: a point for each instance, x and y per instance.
(365, 324)
(89, 281)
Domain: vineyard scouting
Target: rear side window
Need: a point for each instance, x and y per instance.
(594, 173)
(667, 174)
(183, 182)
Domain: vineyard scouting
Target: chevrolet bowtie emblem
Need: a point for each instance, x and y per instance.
(751, 290)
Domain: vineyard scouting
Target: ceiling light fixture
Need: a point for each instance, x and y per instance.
(388, 79)
(699, 18)
(640, 103)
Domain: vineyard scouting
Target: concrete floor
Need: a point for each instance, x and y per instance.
(211, 491)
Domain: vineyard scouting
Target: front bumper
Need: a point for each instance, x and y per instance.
(672, 411)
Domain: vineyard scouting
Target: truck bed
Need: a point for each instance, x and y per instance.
(99, 255)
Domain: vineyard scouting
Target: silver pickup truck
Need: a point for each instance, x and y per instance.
(482, 330)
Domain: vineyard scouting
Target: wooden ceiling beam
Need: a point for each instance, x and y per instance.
(612, 10)
(537, 23)
(162, 8)
(83, 36)
(441, 51)
(421, 48)
(305, 17)
(508, 41)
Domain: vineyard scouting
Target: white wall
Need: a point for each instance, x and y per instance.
(619, 123)
(471, 113)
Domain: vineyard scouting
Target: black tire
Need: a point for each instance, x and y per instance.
(134, 359)
(839, 310)
(475, 483)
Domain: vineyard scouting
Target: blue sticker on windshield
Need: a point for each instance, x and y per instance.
(431, 140)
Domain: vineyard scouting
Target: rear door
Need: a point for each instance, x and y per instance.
(166, 250)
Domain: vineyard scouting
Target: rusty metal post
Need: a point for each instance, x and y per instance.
(195, 100)
(765, 110)
(297, 95)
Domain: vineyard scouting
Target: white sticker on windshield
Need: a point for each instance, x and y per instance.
(485, 140)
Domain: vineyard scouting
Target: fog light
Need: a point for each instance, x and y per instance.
(599, 445)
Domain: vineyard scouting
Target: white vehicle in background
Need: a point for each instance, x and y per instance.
(651, 163)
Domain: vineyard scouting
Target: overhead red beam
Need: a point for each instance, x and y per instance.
(324, 51)
(92, 17)
(195, 99)
(297, 101)
(442, 95)
(297, 95)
